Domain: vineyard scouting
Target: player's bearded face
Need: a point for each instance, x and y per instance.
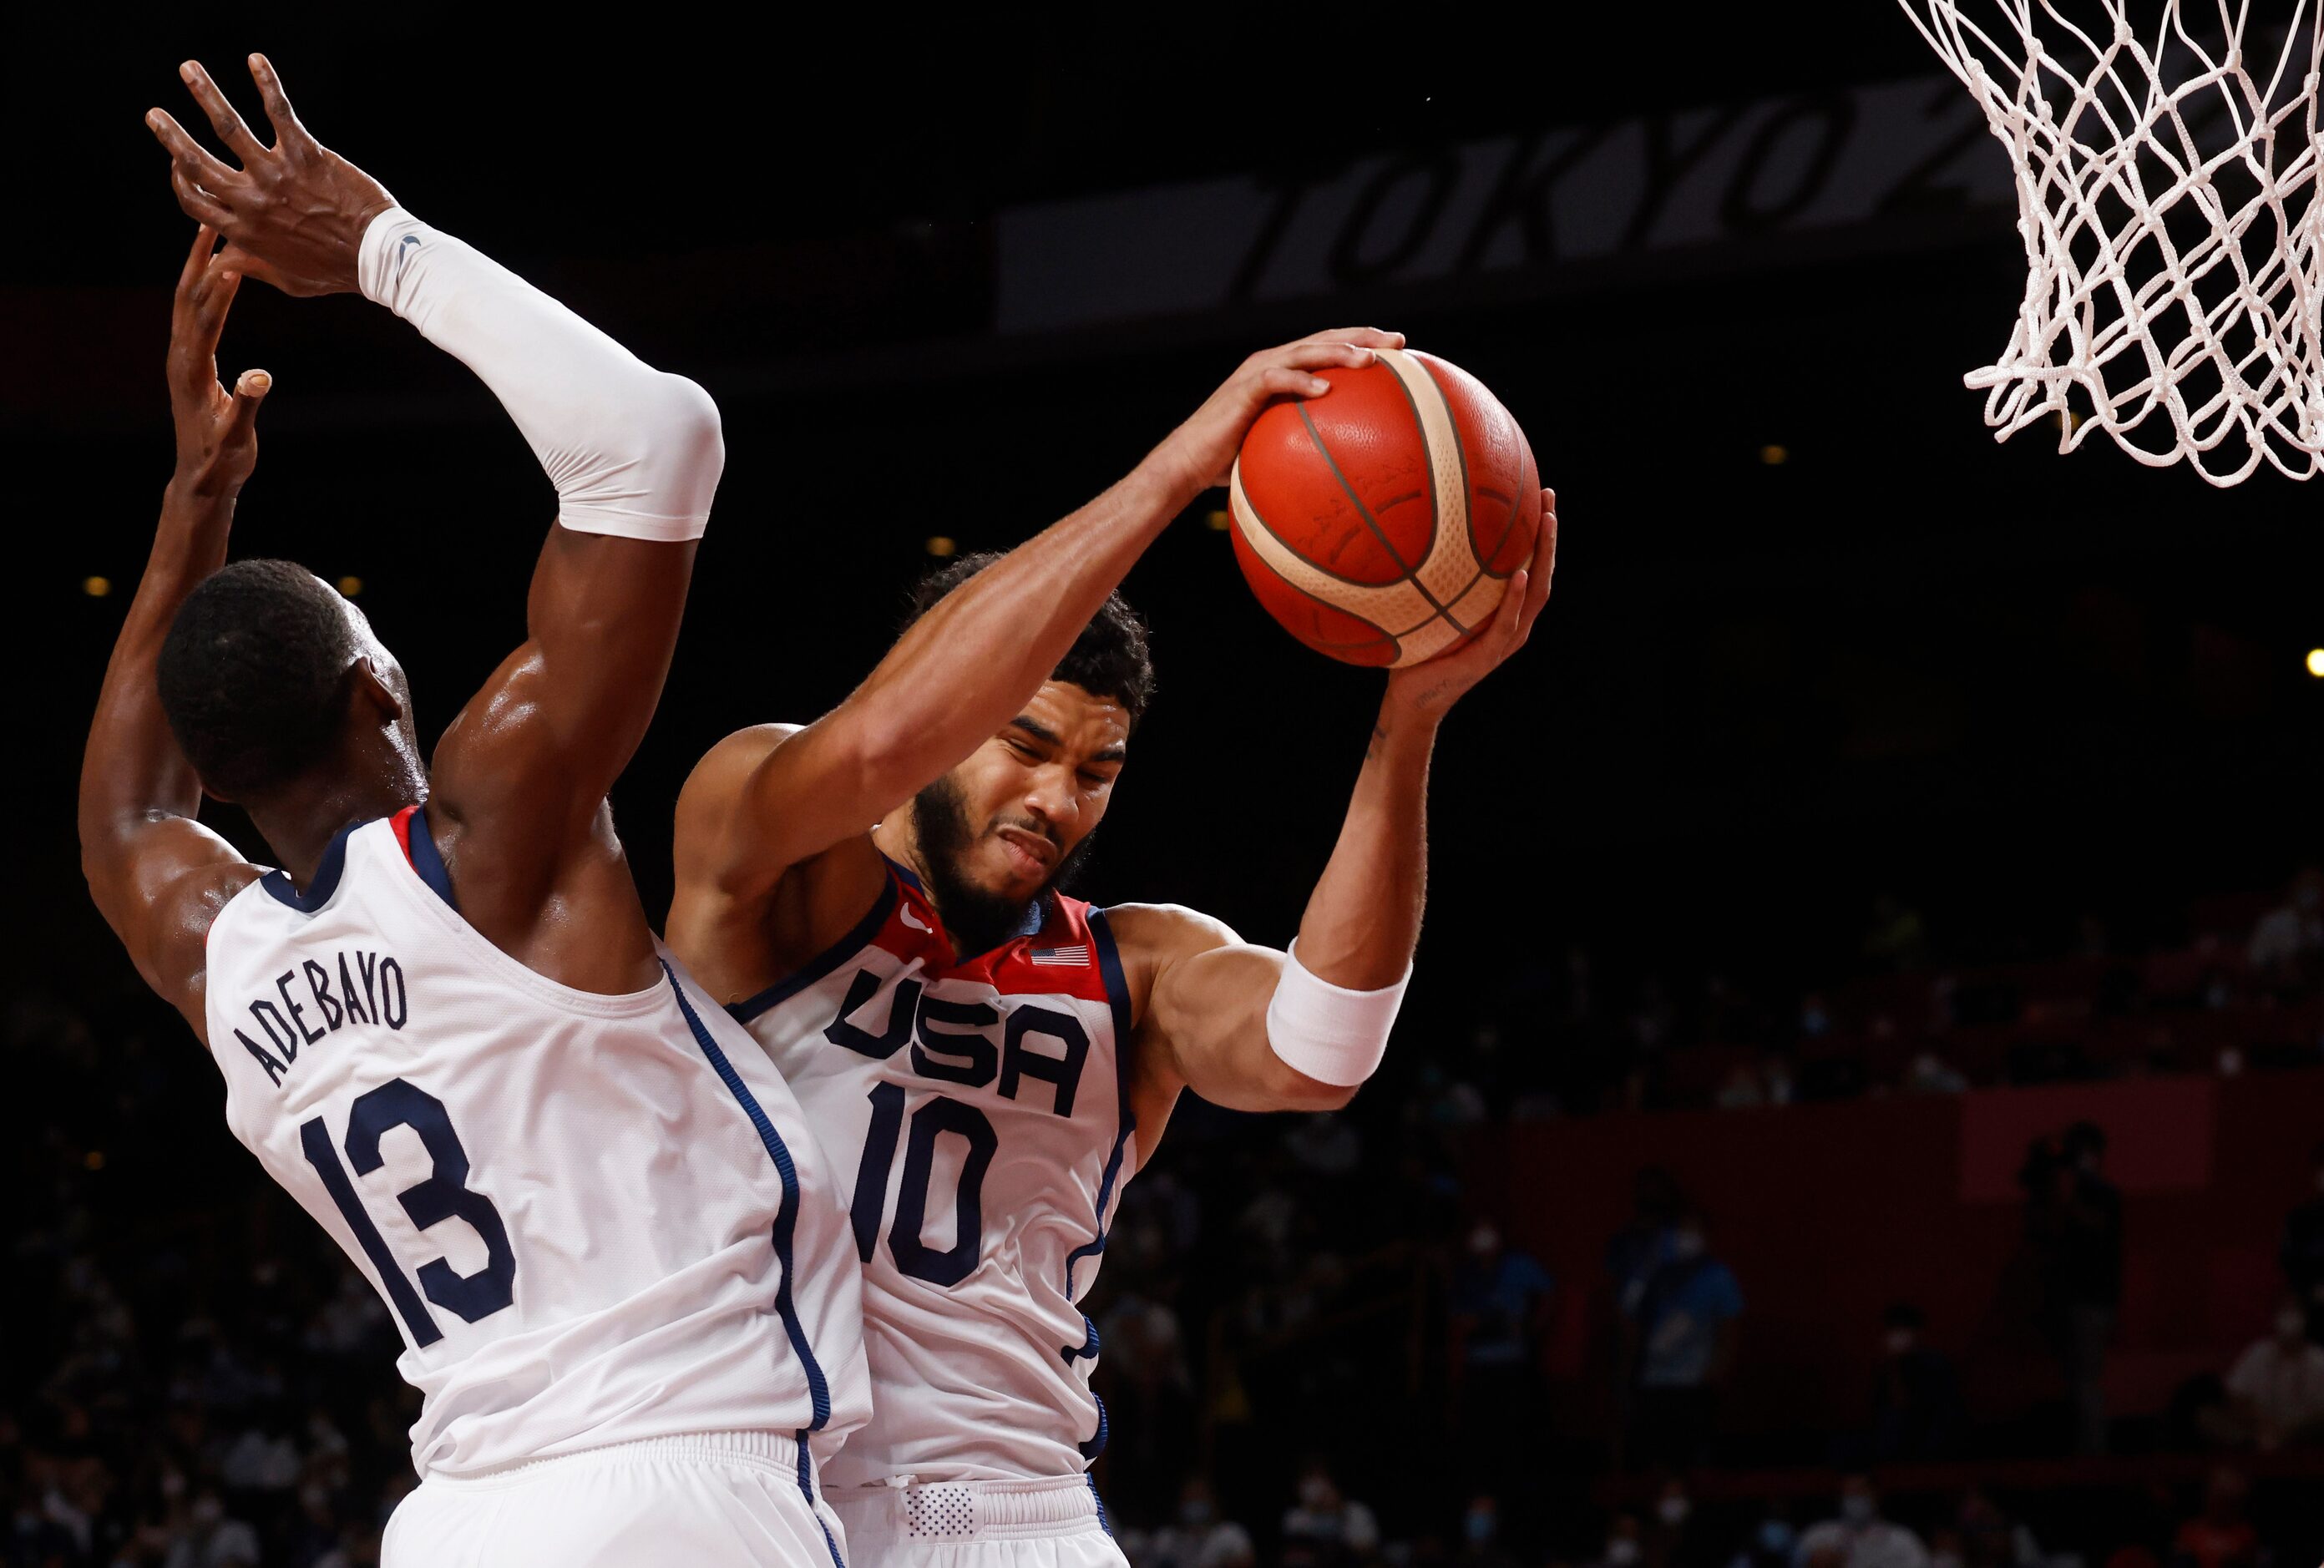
(1014, 821)
(976, 871)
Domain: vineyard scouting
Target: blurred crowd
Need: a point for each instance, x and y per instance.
(1321, 1349)
(2233, 985)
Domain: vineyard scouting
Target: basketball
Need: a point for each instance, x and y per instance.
(1381, 522)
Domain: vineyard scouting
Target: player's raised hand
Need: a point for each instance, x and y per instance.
(217, 430)
(293, 214)
(1436, 684)
(1199, 454)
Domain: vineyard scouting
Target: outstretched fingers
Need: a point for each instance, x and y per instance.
(288, 133)
(197, 259)
(224, 119)
(214, 295)
(188, 153)
(205, 294)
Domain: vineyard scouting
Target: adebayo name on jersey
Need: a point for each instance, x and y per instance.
(970, 1043)
(307, 1006)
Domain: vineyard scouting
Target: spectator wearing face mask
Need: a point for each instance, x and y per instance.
(1337, 1528)
(1625, 1543)
(2287, 945)
(2275, 1390)
(1668, 1539)
(1859, 1537)
(1197, 1537)
(1983, 1536)
(1643, 1243)
(2073, 1224)
(214, 1539)
(1681, 1336)
(1500, 1301)
(1916, 1402)
(1772, 1544)
(1480, 1535)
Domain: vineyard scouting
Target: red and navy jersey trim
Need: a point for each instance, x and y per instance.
(410, 826)
(322, 885)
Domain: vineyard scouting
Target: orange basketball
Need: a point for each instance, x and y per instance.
(1381, 522)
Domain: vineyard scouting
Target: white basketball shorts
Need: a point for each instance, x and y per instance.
(721, 1500)
(977, 1523)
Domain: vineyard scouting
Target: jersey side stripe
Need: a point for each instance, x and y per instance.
(786, 1224)
(1117, 992)
(823, 963)
(786, 1216)
(806, 1487)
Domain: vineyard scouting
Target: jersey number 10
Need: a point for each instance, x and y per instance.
(444, 1195)
(938, 1115)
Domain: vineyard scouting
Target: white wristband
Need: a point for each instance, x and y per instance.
(633, 451)
(1333, 1035)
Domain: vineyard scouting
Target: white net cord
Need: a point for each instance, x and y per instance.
(2167, 195)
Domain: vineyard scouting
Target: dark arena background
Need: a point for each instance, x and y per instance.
(1878, 812)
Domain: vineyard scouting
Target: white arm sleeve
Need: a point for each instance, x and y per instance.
(631, 450)
(1333, 1035)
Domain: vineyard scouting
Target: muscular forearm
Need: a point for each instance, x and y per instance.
(132, 769)
(972, 663)
(1264, 1032)
(1363, 920)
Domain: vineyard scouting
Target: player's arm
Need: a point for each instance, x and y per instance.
(767, 798)
(1255, 1029)
(157, 874)
(634, 454)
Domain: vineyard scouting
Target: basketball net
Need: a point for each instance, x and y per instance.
(2167, 197)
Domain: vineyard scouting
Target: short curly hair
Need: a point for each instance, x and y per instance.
(1111, 658)
(253, 675)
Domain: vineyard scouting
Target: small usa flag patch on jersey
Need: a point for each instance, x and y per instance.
(1061, 956)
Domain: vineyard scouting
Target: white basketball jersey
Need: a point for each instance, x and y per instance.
(597, 1219)
(982, 1107)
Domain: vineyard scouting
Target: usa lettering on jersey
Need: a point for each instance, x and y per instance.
(978, 1103)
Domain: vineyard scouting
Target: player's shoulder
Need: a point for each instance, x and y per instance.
(744, 749)
(727, 767)
(1166, 930)
(176, 952)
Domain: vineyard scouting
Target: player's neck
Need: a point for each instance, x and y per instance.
(301, 821)
(895, 838)
(969, 931)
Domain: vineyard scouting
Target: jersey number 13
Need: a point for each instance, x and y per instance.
(444, 1195)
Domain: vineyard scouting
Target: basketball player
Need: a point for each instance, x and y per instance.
(992, 1059)
(621, 1272)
